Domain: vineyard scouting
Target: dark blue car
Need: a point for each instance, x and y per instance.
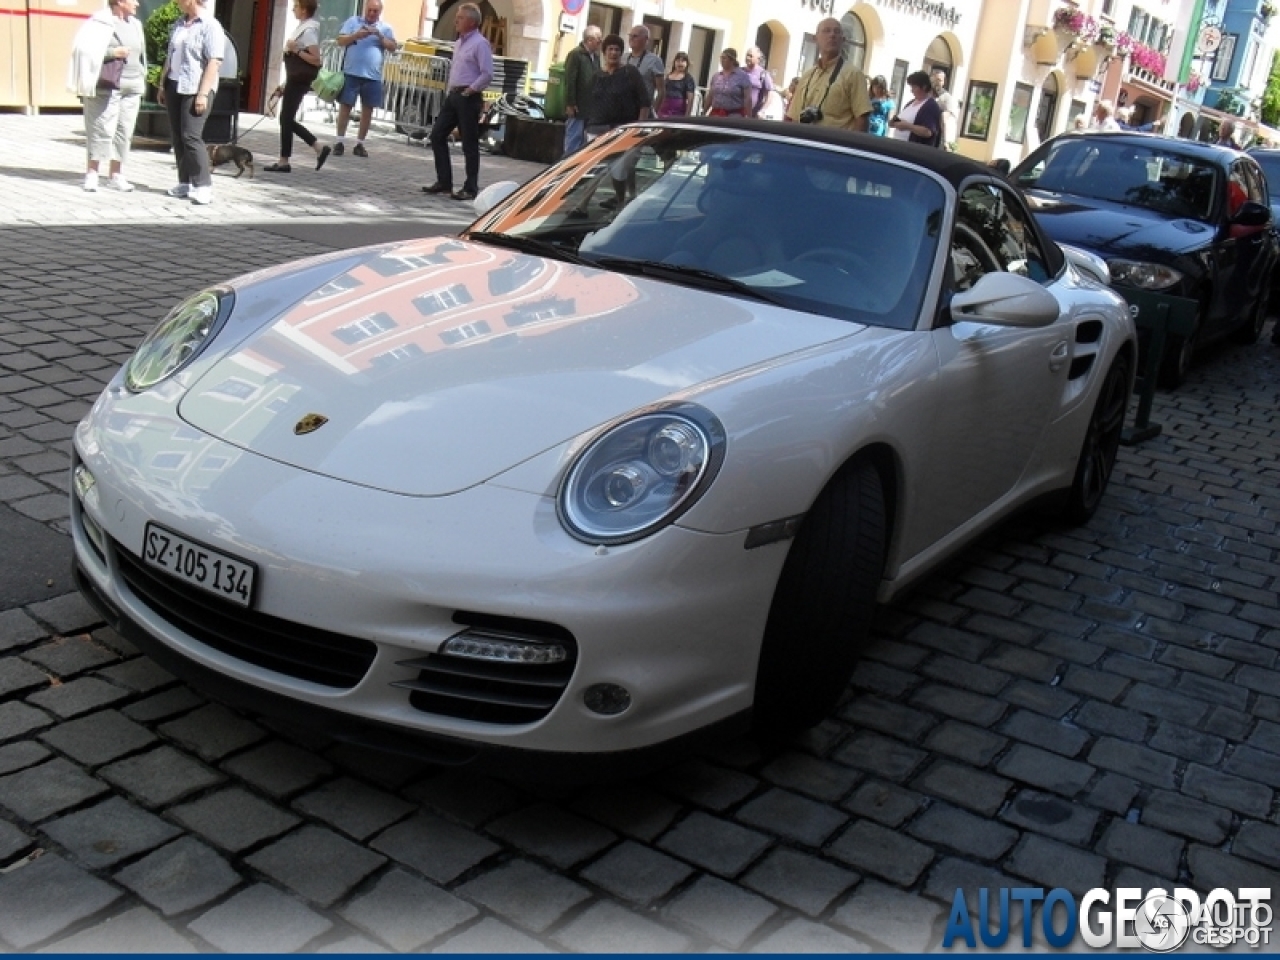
(1168, 216)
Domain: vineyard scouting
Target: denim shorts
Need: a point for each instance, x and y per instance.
(369, 92)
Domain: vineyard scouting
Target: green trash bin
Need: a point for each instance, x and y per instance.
(553, 106)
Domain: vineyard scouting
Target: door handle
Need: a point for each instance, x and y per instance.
(1061, 354)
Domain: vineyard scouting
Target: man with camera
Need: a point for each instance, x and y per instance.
(833, 92)
(367, 40)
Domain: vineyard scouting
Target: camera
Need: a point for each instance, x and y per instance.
(811, 115)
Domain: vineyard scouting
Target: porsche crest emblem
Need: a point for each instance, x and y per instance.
(310, 423)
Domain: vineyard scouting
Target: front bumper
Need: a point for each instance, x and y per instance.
(676, 620)
(416, 745)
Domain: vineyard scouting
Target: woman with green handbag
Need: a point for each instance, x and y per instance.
(302, 67)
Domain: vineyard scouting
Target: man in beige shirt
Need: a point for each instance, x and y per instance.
(833, 92)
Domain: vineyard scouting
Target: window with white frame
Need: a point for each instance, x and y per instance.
(365, 327)
(1222, 58)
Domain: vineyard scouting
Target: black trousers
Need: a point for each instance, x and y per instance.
(186, 133)
(290, 101)
(463, 114)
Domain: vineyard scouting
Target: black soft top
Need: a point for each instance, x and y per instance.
(950, 166)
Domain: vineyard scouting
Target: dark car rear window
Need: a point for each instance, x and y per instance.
(1151, 177)
(1270, 164)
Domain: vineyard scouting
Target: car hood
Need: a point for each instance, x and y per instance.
(429, 367)
(1113, 229)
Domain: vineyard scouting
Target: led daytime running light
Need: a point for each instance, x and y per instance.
(481, 646)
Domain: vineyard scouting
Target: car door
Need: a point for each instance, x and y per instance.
(1242, 252)
(1261, 240)
(998, 386)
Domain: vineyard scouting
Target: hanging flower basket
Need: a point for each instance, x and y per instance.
(1145, 58)
(1079, 25)
(1107, 35)
(1194, 82)
(1124, 44)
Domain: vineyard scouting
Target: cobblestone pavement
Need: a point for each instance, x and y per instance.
(1071, 708)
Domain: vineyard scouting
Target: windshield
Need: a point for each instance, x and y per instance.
(1140, 175)
(808, 228)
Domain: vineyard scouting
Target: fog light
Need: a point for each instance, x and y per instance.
(502, 648)
(607, 699)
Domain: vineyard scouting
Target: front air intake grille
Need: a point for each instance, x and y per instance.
(484, 691)
(307, 653)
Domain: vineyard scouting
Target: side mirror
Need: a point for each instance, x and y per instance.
(492, 195)
(1088, 263)
(1006, 299)
(1252, 214)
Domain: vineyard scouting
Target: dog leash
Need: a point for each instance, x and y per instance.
(272, 102)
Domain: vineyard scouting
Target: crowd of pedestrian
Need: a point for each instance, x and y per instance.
(608, 81)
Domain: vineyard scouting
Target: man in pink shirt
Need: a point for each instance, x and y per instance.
(469, 74)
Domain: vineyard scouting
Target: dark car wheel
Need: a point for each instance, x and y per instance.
(1101, 444)
(1249, 332)
(823, 604)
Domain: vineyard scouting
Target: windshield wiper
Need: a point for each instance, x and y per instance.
(543, 248)
(705, 279)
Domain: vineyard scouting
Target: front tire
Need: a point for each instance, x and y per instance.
(1250, 332)
(1101, 445)
(823, 604)
(1176, 363)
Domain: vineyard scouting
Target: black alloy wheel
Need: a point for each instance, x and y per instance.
(1101, 444)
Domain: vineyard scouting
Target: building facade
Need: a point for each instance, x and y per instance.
(1021, 70)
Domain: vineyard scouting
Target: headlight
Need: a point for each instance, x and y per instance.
(641, 475)
(1144, 276)
(178, 339)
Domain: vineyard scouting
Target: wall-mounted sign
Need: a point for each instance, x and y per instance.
(568, 24)
(573, 7)
(1209, 39)
(928, 9)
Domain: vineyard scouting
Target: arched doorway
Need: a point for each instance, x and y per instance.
(773, 40)
(1048, 108)
(855, 40)
(1187, 125)
(514, 27)
(939, 56)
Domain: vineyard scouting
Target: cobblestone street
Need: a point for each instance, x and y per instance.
(1060, 707)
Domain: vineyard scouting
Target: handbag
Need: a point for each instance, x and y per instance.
(327, 85)
(111, 71)
(299, 71)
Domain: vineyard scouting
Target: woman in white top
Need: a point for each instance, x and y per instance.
(301, 64)
(919, 121)
(108, 36)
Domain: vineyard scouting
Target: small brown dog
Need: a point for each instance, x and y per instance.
(231, 153)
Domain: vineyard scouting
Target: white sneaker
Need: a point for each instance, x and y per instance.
(181, 190)
(201, 195)
(91, 181)
(118, 182)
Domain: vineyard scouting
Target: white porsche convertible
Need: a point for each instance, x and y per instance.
(625, 465)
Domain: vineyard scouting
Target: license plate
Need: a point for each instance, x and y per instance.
(221, 574)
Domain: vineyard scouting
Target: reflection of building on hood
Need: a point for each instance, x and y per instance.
(465, 294)
(88, 51)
